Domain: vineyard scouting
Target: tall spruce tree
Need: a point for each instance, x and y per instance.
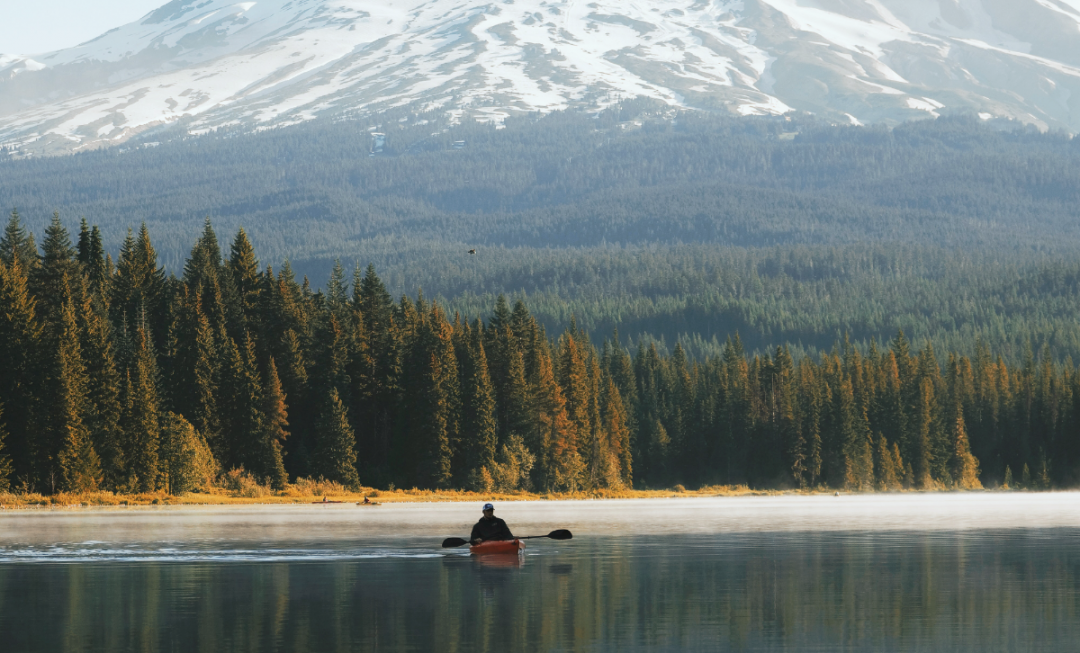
(620, 463)
(21, 383)
(275, 425)
(104, 386)
(479, 435)
(6, 468)
(141, 418)
(67, 457)
(244, 272)
(18, 243)
(335, 452)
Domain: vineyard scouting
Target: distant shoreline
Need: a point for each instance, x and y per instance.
(379, 498)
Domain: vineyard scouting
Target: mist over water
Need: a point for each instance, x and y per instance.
(978, 572)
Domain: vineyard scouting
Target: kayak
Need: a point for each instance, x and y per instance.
(497, 546)
(373, 503)
(322, 502)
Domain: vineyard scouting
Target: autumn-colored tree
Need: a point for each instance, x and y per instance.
(962, 465)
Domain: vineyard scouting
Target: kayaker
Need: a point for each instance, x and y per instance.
(490, 527)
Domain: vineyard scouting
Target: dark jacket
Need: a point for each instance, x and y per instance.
(491, 529)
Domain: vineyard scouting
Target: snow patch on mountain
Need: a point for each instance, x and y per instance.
(210, 63)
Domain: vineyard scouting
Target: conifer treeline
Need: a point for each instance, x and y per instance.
(117, 377)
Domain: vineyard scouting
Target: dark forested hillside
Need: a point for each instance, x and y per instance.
(625, 176)
(672, 226)
(118, 377)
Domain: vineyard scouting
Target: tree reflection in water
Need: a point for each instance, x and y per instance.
(968, 591)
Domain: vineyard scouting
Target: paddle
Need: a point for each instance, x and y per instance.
(562, 534)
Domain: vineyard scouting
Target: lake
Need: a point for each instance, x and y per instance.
(927, 572)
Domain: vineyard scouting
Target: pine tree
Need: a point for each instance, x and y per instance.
(962, 465)
(276, 423)
(478, 427)
(251, 442)
(205, 386)
(561, 467)
(6, 468)
(922, 425)
(573, 378)
(886, 475)
(139, 286)
(618, 435)
(337, 291)
(96, 265)
(244, 273)
(433, 414)
(103, 387)
(141, 420)
(903, 472)
(67, 453)
(52, 278)
(335, 453)
(377, 370)
(17, 243)
(186, 461)
(21, 381)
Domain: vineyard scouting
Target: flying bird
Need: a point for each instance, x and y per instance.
(472, 251)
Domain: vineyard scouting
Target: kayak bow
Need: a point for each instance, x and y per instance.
(497, 546)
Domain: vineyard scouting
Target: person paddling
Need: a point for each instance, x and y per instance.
(489, 527)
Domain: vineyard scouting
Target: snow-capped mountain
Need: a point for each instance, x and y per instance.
(208, 63)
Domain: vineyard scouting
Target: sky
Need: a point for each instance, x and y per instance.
(36, 26)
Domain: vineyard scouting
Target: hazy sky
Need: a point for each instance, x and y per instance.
(36, 26)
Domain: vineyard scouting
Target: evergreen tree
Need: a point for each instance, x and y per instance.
(335, 453)
(17, 243)
(51, 279)
(186, 461)
(276, 424)
(479, 435)
(244, 272)
(886, 476)
(618, 435)
(922, 425)
(21, 380)
(6, 468)
(963, 466)
(250, 441)
(67, 454)
(139, 285)
(552, 433)
(104, 387)
(96, 265)
(433, 412)
(141, 420)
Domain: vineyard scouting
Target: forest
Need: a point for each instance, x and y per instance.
(674, 227)
(120, 377)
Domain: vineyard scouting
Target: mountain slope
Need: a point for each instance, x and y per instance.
(208, 63)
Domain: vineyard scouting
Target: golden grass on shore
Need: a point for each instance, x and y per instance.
(315, 492)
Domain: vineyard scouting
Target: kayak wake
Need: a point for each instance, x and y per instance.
(84, 552)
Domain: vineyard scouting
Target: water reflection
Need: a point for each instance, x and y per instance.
(996, 590)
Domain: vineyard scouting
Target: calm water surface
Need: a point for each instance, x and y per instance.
(987, 572)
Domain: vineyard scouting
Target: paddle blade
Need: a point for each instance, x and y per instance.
(451, 542)
(560, 535)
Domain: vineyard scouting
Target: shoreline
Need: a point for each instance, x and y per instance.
(291, 497)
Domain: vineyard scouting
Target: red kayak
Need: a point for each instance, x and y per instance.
(497, 546)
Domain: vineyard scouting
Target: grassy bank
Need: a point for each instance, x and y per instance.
(313, 492)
